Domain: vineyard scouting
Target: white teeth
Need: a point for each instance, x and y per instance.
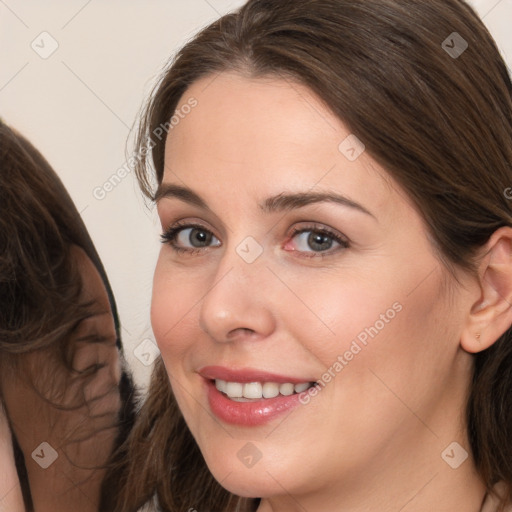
(242, 392)
(253, 390)
(221, 385)
(299, 388)
(270, 390)
(286, 389)
(234, 389)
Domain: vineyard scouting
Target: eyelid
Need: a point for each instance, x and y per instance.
(170, 210)
(188, 223)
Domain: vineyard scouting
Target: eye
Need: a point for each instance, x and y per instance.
(190, 238)
(316, 241)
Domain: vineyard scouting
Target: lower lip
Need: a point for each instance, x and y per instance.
(249, 414)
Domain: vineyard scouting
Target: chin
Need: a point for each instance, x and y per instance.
(263, 479)
(246, 484)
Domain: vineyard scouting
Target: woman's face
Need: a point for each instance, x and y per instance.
(305, 263)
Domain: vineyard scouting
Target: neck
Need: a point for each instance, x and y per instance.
(440, 489)
(412, 476)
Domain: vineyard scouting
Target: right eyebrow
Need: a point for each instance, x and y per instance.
(168, 190)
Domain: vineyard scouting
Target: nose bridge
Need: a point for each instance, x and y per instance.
(235, 302)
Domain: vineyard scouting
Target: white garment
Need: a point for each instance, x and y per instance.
(11, 498)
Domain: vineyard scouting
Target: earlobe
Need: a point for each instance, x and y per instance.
(491, 315)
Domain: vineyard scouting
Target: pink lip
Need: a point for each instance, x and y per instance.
(247, 414)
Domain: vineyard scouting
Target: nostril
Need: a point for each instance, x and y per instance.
(240, 331)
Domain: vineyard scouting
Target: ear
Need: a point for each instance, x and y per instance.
(491, 314)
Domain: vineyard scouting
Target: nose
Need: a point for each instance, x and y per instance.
(238, 305)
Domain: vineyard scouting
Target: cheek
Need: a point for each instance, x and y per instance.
(342, 307)
(172, 312)
(173, 303)
(395, 344)
(390, 320)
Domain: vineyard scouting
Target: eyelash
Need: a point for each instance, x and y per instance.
(169, 237)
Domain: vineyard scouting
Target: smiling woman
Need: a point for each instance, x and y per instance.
(345, 159)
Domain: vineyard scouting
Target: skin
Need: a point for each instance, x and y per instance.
(10, 490)
(84, 436)
(372, 439)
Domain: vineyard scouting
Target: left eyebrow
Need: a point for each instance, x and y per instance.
(281, 202)
(286, 202)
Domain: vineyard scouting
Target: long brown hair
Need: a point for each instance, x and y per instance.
(40, 287)
(439, 122)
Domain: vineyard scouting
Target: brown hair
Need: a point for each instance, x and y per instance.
(40, 285)
(439, 123)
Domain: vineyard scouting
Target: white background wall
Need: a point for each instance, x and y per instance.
(77, 107)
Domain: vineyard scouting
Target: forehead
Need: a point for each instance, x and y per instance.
(265, 133)
(263, 111)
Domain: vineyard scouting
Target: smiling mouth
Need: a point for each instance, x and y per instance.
(254, 391)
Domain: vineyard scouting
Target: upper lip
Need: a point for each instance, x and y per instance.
(247, 375)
